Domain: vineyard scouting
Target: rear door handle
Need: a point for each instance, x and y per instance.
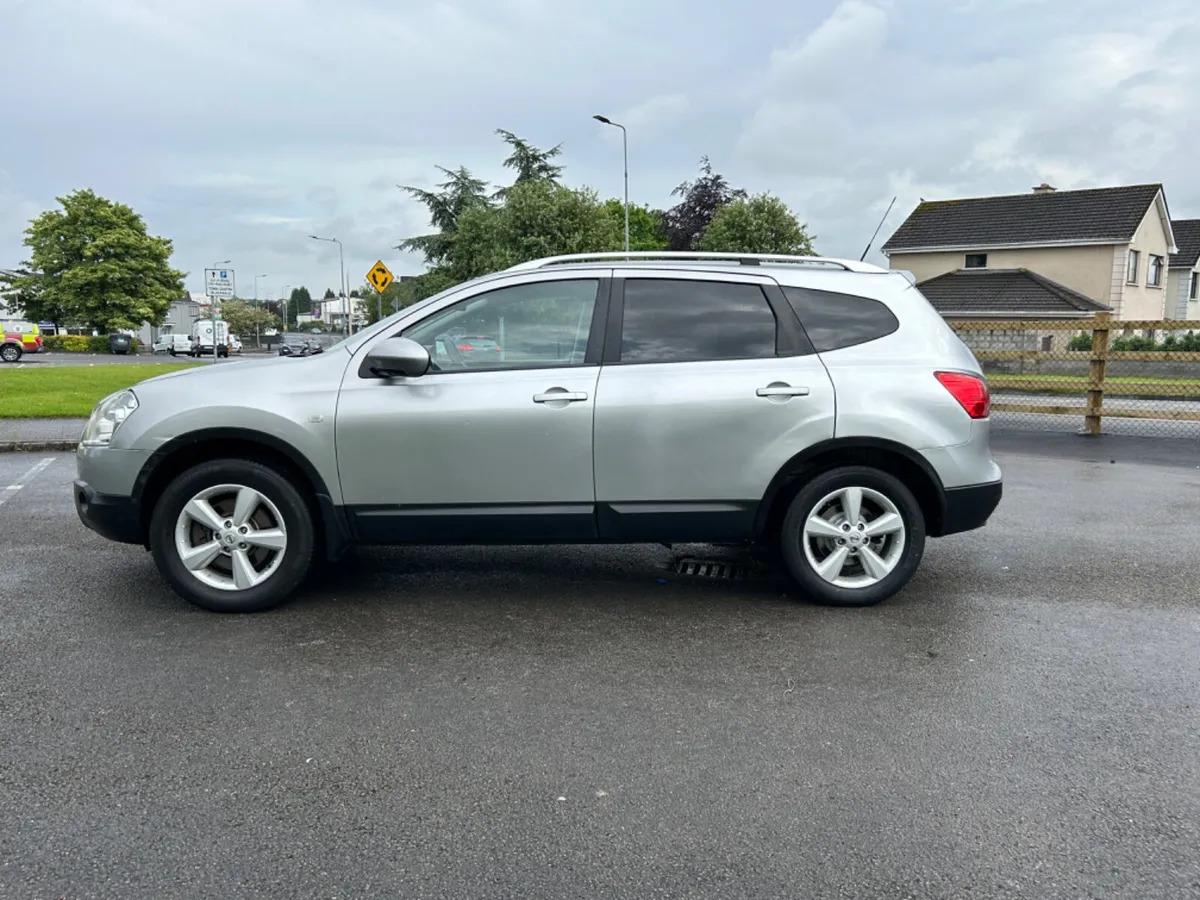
(782, 390)
(559, 396)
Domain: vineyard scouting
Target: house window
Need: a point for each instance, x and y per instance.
(1154, 272)
(1192, 289)
(193, 311)
(1131, 267)
(976, 260)
(1047, 343)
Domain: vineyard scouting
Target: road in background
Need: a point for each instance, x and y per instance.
(1021, 722)
(30, 360)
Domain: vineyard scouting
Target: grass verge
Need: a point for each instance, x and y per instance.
(68, 392)
(1123, 379)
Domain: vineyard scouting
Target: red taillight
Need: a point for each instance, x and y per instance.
(465, 347)
(970, 391)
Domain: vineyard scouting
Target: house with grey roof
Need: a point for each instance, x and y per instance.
(1005, 294)
(1183, 271)
(1043, 254)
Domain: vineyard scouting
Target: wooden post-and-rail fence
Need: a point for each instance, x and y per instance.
(1141, 369)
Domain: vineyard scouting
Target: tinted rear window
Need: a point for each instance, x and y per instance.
(836, 321)
(690, 321)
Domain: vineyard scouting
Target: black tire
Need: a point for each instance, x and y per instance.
(10, 353)
(297, 520)
(171, 351)
(792, 537)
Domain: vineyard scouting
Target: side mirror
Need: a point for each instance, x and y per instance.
(397, 356)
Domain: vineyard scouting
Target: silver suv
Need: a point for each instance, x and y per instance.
(818, 407)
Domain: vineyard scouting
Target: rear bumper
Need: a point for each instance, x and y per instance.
(968, 508)
(115, 518)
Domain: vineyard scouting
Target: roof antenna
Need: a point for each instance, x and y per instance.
(877, 227)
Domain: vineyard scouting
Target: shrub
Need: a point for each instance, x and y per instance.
(1136, 343)
(1081, 341)
(81, 343)
(66, 343)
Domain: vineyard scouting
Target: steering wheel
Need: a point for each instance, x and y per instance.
(452, 353)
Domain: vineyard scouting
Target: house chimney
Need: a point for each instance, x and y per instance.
(1044, 188)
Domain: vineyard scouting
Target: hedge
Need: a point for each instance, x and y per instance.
(81, 343)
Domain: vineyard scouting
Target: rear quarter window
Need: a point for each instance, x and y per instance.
(835, 321)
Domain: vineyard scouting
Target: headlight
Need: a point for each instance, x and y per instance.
(107, 418)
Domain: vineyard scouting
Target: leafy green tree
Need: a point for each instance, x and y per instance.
(687, 220)
(246, 319)
(299, 301)
(92, 263)
(759, 224)
(329, 294)
(460, 192)
(647, 230)
(529, 162)
(538, 218)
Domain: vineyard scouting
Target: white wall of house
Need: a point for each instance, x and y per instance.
(1142, 300)
(1179, 286)
(1084, 269)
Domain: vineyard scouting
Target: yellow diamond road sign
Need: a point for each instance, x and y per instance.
(380, 277)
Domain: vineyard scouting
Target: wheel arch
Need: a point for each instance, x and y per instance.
(888, 456)
(188, 450)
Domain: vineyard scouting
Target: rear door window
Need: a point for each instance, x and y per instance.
(681, 320)
(835, 321)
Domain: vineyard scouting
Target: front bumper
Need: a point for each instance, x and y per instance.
(968, 508)
(115, 518)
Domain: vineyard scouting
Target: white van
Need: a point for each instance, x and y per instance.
(202, 337)
(173, 344)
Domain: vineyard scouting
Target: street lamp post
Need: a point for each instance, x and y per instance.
(625, 155)
(212, 309)
(257, 336)
(342, 269)
(284, 297)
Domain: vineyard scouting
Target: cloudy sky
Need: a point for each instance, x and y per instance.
(238, 127)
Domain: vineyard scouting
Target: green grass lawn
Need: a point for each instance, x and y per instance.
(68, 391)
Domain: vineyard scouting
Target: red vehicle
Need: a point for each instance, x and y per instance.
(18, 338)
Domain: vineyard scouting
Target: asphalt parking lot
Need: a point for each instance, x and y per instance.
(1022, 722)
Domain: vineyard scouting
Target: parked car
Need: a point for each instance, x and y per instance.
(235, 344)
(299, 345)
(173, 344)
(18, 337)
(817, 408)
(471, 344)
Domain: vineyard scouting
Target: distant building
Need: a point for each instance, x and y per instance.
(1109, 246)
(1183, 280)
(179, 318)
(5, 309)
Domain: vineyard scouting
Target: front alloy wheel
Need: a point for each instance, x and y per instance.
(232, 536)
(853, 536)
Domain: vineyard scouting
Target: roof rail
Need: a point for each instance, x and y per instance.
(744, 259)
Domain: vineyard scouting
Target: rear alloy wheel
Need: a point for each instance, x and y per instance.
(232, 536)
(853, 536)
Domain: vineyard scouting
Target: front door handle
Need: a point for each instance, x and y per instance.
(558, 395)
(781, 390)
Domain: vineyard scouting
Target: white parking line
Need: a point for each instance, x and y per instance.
(8, 492)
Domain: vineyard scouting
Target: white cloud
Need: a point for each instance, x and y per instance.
(659, 114)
